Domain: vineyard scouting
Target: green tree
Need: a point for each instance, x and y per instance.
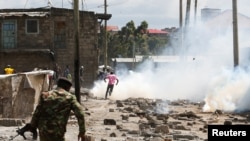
(131, 40)
(157, 45)
(127, 37)
(141, 39)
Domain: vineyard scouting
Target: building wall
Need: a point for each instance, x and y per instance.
(41, 50)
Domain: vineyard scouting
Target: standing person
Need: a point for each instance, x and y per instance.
(81, 75)
(101, 74)
(57, 71)
(112, 78)
(53, 110)
(115, 64)
(9, 70)
(67, 73)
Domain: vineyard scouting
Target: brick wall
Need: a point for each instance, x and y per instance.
(32, 49)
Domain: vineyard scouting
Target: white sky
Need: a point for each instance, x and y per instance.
(158, 13)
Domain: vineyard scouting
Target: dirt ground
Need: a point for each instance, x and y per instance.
(177, 120)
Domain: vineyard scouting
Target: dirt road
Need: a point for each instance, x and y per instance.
(136, 119)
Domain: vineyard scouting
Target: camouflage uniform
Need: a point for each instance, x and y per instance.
(52, 113)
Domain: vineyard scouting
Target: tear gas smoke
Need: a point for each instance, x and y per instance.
(204, 70)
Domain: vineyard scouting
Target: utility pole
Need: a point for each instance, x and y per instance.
(235, 34)
(180, 25)
(187, 13)
(105, 36)
(76, 53)
(187, 19)
(180, 14)
(195, 10)
(184, 30)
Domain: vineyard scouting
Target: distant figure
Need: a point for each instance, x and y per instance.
(81, 75)
(107, 72)
(112, 78)
(101, 74)
(67, 73)
(57, 71)
(115, 64)
(9, 70)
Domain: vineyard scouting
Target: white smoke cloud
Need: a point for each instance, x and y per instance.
(227, 89)
(210, 76)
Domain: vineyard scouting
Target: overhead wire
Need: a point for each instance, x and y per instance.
(108, 5)
(84, 3)
(38, 3)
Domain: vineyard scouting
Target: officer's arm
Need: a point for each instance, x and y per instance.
(37, 112)
(78, 111)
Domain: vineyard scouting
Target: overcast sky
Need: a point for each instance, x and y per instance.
(158, 13)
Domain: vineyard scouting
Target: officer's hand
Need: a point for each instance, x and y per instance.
(81, 137)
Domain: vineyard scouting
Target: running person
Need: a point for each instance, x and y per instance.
(112, 78)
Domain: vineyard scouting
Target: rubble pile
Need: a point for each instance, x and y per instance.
(142, 119)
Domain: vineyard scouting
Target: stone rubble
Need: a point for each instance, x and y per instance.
(141, 119)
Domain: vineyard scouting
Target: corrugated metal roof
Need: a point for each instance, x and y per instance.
(160, 59)
(112, 28)
(156, 31)
(20, 14)
(120, 60)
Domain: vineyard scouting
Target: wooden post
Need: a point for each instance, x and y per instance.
(235, 34)
(187, 13)
(105, 36)
(180, 14)
(180, 25)
(195, 11)
(76, 53)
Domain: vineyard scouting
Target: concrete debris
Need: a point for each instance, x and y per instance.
(137, 119)
(109, 122)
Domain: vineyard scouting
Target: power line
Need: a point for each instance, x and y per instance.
(40, 2)
(108, 5)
